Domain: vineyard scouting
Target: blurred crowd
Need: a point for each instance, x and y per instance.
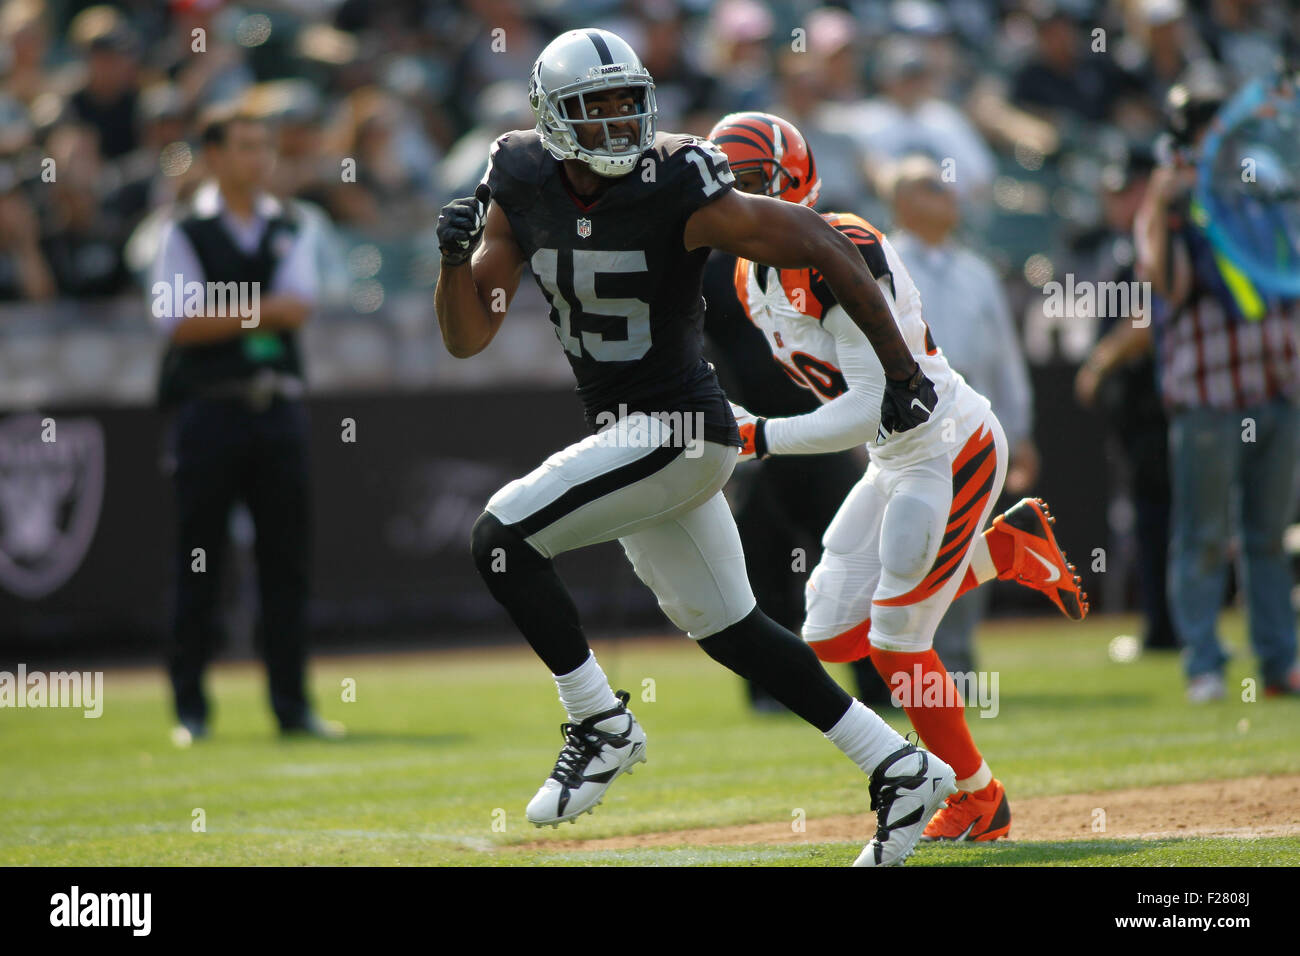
(386, 108)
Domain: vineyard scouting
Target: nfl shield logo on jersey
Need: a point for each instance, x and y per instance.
(584, 228)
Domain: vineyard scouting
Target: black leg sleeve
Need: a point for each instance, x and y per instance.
(759, 649)
(526, 585)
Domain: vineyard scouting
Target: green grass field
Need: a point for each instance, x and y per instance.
(445, 750)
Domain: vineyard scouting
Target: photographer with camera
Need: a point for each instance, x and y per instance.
(1228, 356)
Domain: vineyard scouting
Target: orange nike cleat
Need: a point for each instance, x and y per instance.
(972, 815)
(1039, 562)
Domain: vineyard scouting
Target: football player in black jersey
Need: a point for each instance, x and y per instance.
(615, 222)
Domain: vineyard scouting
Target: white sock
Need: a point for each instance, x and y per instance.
(981, 561)
(864, 737)
(980, 779)
(585, 691)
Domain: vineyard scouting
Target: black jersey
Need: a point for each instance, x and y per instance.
(624, 291)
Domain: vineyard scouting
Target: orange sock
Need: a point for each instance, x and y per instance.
(852, 645)
(941, 726)
(1002, 549)
(1002, 552)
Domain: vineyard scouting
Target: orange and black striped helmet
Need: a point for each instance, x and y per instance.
(772, 145)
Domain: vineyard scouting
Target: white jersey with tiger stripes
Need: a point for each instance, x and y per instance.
(789, 315)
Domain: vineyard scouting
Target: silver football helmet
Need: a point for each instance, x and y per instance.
(581, 62)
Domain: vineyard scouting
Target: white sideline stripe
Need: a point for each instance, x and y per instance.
(37, 789)
(1237, 833)
(470, 843)
(480, 844)
(710, 853)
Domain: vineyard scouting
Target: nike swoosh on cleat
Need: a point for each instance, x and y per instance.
(1055, 571)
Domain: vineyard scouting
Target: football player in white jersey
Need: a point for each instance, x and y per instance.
(907, 539)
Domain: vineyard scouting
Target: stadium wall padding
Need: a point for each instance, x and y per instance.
(392, 511)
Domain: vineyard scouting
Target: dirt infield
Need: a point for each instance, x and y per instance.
(1246, 807)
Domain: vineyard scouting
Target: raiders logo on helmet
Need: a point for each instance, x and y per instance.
(573, 65)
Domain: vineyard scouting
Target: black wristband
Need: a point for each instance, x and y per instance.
(760, 438)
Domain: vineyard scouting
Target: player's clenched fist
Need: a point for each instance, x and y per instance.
(751, 433)
(907, 403)
(460, 225)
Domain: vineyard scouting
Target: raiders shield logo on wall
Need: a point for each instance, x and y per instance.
(50, 495)
(584, 228)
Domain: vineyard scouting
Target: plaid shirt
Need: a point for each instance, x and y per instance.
(1209, 357)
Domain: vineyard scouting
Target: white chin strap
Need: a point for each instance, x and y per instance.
(608, 166)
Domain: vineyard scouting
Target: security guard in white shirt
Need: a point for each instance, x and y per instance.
(233, 282)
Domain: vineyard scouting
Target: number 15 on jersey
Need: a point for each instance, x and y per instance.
(580, 267)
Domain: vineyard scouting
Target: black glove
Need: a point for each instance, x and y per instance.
(907, 403)
(460, 225)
